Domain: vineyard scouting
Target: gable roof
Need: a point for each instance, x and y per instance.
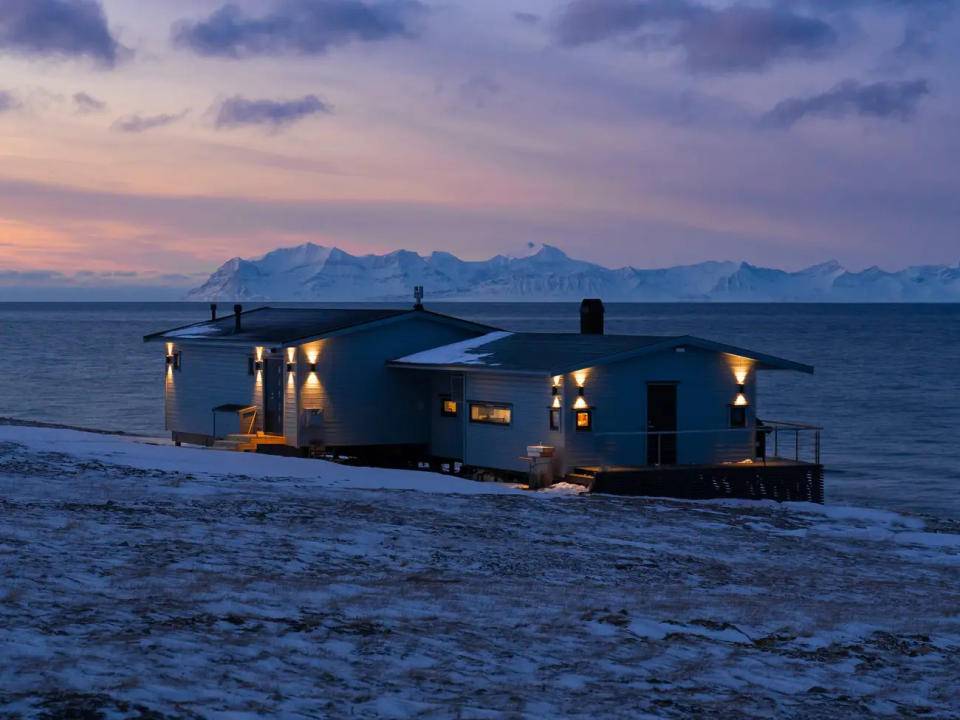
(287, 326)
(559, 353)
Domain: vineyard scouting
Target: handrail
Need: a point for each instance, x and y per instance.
(768, 427)
(802, 426)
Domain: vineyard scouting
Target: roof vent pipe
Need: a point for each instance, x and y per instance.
(591, 316)
(213, 311)
(237, 310)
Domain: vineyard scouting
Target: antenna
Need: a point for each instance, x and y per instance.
(418, 297)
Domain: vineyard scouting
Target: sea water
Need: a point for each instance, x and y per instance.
(886, 387)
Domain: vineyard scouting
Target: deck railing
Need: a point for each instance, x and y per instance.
(726, 444)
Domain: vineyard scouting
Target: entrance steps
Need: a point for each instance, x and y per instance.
(247, 443)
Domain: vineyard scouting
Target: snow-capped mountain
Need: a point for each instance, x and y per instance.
(315, 273)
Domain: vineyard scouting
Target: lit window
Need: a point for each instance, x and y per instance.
(554, 418)
(584, 420)
(491, 413)
(738, 416)
(448, 407)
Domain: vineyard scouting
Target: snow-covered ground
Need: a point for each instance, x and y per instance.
(152, 581)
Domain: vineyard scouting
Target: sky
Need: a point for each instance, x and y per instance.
(145, 142)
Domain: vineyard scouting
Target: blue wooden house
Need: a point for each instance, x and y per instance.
(621, 413)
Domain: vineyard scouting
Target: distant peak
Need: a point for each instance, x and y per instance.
(540, 251)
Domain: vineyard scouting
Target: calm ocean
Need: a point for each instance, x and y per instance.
(886, 388)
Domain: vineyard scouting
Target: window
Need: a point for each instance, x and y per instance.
(738, 416)
(584, 420)
(554, 418)
(491, 413)
(448, 407)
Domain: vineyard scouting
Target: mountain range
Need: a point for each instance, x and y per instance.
(314, 273)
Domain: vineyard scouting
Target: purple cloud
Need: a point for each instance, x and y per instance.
(65, 28)
(239, 111)
(140, 123)
(879, 100)
(732, 39)
(296, 27)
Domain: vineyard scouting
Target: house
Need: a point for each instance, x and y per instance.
(589, 404)
(670, 415)
(302, 377)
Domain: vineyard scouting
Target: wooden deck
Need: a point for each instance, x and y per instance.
(777, 479)
(247, 443)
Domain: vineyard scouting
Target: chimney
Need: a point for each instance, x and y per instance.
(237, 311)
(418, 297)
(591, 316)
(213, 311)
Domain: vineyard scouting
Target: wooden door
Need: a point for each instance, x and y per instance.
(661, 424)
(273, 396)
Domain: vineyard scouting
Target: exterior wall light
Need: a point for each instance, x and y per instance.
(312, 367)
(291, 367)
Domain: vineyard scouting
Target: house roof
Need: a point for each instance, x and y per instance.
(285, 326)
(559, 353)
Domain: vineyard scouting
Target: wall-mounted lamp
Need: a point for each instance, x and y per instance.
(254, 366)
(312, 367)
(173, 359)
(556, 390)
(291, 367)
(741, 388)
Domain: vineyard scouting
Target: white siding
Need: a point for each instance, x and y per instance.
(363, 401)
(501, 447)
(209, 376)
(617, 392)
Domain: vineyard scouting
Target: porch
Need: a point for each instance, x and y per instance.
(792, 472)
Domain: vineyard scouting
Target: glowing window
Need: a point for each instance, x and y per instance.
(584, 420)
(448, 407)
(491, 413)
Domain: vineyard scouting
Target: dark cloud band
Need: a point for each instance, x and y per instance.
(296, 27)
(879, 100)
(239, 111)
(64, 28)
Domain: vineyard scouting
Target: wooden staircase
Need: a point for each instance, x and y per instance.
(247, 443)
(582, 476)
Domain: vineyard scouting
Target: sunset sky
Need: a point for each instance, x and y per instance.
(144, 142)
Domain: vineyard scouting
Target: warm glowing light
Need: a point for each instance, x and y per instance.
(169, 348)
(581, 377)
(291, 355)
(583, 419)
(741, 376)
(556, 402)
(557, 380)
(580, 404)
(259, 352)
(740, 401)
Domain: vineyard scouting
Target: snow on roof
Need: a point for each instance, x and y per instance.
(457, 353)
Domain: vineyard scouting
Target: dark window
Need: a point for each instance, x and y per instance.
(584, 420)
(491, 413)
(738, 416)
(448, 407)
(554, 418)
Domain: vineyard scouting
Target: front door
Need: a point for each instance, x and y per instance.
(661, 424)
(273, 396)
